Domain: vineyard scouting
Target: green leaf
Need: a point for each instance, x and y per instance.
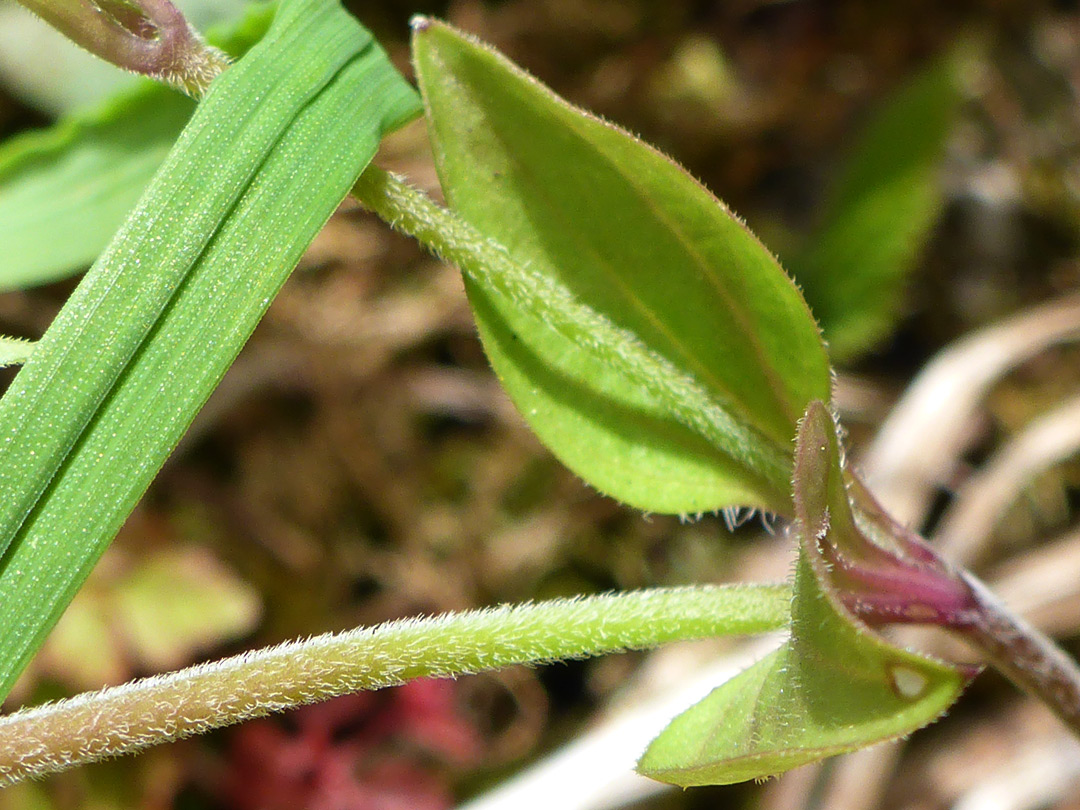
(181, 602)
(833, 687)
(149, 332)
(880, 214)
(65, 190)
(630, 240)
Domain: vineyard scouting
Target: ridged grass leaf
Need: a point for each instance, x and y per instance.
(880, 214)
(833, 687)
(634, 242)
(80, 177)
(119, 375)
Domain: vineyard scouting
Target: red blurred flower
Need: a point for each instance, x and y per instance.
(368, 751)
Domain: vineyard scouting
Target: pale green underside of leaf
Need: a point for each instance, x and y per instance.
(633, 237)
(833, 687)
(149, 332)
(65, 190)
(880, 214)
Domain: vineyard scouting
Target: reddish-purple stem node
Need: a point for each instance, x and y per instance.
(150, 37)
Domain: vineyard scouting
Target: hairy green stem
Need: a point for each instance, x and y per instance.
(448, 236)
(140, 714)
(150, 37)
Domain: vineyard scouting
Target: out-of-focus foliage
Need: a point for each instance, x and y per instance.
(315, 763)
(81, 177)
(879, 213)
(147, 615)
(50, 72)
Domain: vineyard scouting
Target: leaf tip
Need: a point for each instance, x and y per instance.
(419, 23)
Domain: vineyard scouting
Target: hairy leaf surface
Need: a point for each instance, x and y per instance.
(631, 237)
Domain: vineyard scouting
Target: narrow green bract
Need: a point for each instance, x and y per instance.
(633, 238)
(142, 342)
(833, 687)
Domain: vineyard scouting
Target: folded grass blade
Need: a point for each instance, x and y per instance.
(149, 332)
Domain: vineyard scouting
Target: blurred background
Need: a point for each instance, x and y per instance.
(915, 164)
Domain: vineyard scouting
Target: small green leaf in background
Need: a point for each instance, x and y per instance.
(65, 190)
(880, 214)
(150, 614)
(180, 602)
(637, 240)
(833, 687)
(149, 332)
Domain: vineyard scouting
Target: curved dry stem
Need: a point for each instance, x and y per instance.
(1042, 585)
(919, 444)
(981, 502)
(596, 768)
(150, 37)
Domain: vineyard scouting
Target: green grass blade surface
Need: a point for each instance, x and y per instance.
(144, 339)
(81, 177)
(634, 238)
